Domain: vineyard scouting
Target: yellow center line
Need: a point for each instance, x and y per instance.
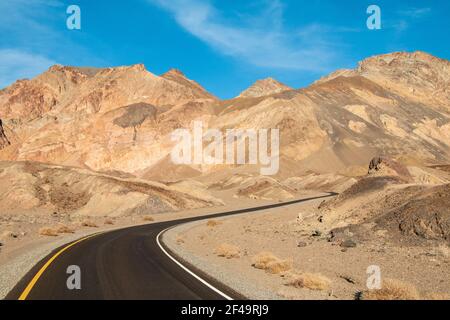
(32, 283)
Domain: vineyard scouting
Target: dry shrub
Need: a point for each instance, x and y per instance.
(179, 239)
(392, 290)
(437, 296)
(270, 263)
(148, 218)
(213, 223)
(64, 229)
(109, 221)
(228, 251)
(312, 281)
(89, 224)
(49, 232)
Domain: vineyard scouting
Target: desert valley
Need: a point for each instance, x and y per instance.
(88, 149)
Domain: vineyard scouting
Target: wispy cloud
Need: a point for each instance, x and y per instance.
(415, 12)
(260, 40)
(18, 64)
(27, 38)
(33, 38)
(408, 17)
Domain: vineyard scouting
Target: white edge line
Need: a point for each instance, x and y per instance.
(189, 271)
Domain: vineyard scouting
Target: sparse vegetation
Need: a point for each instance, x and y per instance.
(312, 281)
(179, 239)
(228, 251)
(54, 231)
(392, 290)
(213, 223)
(64, 229)
(89, 224)
(270, 263)
(148, 218)
(109, 221)
(49, 232)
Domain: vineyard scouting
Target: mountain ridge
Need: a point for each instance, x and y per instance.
(395, 104)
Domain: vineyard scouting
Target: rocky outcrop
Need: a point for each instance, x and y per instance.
(264, 87)
(4, 142)
(179, 77)
(383, 166)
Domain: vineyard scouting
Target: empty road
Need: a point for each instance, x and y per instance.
(126, 264)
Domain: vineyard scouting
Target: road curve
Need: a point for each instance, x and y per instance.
(126, 264)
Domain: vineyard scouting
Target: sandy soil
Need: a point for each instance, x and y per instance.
(278, 231)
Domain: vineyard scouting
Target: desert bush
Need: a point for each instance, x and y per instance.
(312, 281)
(49, 232)
(227, 251)
(392, 290)
(213, 223)
(89, 224)
(148, 218)
(109, 221)
(64, 229)
(179, 239)
(270, 263)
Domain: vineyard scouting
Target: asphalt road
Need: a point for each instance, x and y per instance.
(126, 264)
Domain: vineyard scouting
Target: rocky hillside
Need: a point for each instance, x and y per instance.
(33, 188)
(349, 117)
(263, 88)
(120, 119)
(112, 119)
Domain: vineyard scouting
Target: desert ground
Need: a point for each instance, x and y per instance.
(297, 262)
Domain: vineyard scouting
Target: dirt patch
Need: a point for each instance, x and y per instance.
(135, 115)
(32, 168)
(64, 199)
(156, 192)
(362, 187)
(387, 166)
(426, 216)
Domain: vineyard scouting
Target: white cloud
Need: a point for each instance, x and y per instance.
(27, 38)
(408, 16)
(33, 37)
(416, 12)
(264, 44)
(16, 64)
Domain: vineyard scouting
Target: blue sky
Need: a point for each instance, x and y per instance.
(225, 45)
